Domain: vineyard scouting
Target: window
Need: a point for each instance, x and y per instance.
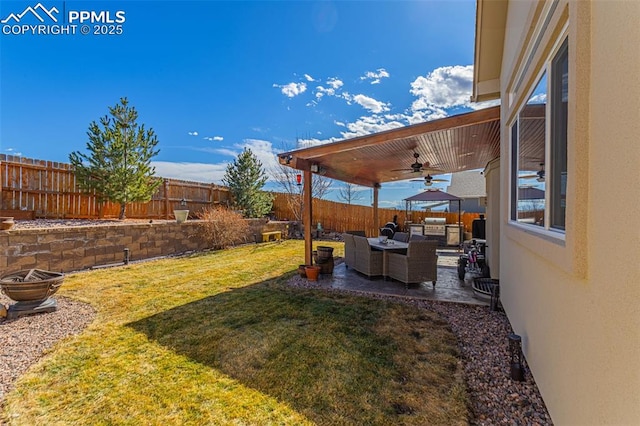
(559, 118)
(538, 139)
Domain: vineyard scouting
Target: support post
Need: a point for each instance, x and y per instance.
(460, 229)
(376, 220)
(307, 218)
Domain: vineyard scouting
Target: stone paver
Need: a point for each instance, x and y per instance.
(448, 286)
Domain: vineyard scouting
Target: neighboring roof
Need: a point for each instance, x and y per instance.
(491, 19)
(469, 184)
(432, 195)
(452, 144)
(530, 193)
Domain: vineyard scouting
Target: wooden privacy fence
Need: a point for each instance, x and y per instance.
(49, 189)
(340, 217)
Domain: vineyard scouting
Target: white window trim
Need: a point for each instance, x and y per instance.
(556, 236)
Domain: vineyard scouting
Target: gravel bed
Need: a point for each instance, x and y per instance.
(24, 340)
(70, 223)
(495, 398)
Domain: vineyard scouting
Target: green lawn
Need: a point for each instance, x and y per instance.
(218, 338)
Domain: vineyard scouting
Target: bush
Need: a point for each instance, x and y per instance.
(223, 228)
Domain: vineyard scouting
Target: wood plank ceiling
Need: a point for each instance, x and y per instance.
(448, 145)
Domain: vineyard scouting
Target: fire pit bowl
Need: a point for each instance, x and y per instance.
(31, 285)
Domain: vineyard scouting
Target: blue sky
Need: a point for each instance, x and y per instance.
(214, 77)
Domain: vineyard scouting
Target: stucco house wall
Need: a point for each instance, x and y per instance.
(576, 300)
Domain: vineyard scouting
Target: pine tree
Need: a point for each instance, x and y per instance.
(245, 179)
(118, 166)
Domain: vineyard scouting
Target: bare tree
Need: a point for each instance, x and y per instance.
(286, 181)
(349, 192)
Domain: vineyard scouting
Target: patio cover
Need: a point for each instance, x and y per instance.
(451, 144)
(447, 145)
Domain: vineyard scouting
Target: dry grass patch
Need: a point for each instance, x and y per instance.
(218, 339)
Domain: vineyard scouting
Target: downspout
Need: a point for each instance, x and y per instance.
(307, 218)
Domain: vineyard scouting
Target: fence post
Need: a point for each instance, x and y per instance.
(1, 184)
(166, 199)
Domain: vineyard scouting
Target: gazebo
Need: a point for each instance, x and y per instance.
(432, 196)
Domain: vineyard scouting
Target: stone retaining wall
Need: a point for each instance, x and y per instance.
(76, 248)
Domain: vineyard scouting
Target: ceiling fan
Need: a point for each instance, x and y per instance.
(416, 166)
(429, 180)
(539, 175)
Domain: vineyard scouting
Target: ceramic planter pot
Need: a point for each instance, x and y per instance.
(312, 272)
(181, 215)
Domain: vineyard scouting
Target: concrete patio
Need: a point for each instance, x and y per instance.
(448, 287)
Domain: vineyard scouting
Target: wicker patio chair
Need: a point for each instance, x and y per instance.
(368, 261)
(420, 264)
(401, 236)
(417, 237)
(349, 250)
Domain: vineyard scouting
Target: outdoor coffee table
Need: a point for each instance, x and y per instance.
(390, 246)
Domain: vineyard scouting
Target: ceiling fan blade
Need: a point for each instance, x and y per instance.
(530, 176)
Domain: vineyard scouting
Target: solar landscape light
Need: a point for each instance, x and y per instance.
(515, 350)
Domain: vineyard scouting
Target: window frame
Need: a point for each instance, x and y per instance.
(555, 177)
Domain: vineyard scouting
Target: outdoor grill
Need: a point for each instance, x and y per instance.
(435, 226)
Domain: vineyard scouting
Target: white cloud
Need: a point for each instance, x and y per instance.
(435, 94)
(368, 125)
(321, 91)
(482, 105)
(375, 76)
(263, 150)
(193, 133)
(225, 151)
(335, 83)
(306, 143)
(12, 151)
(198, 172)
(371, 104)
(309, 78)
(540, 98)
(444, 87)
(292, 89)
(214, 138)
(331, 88)
(425, 115)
